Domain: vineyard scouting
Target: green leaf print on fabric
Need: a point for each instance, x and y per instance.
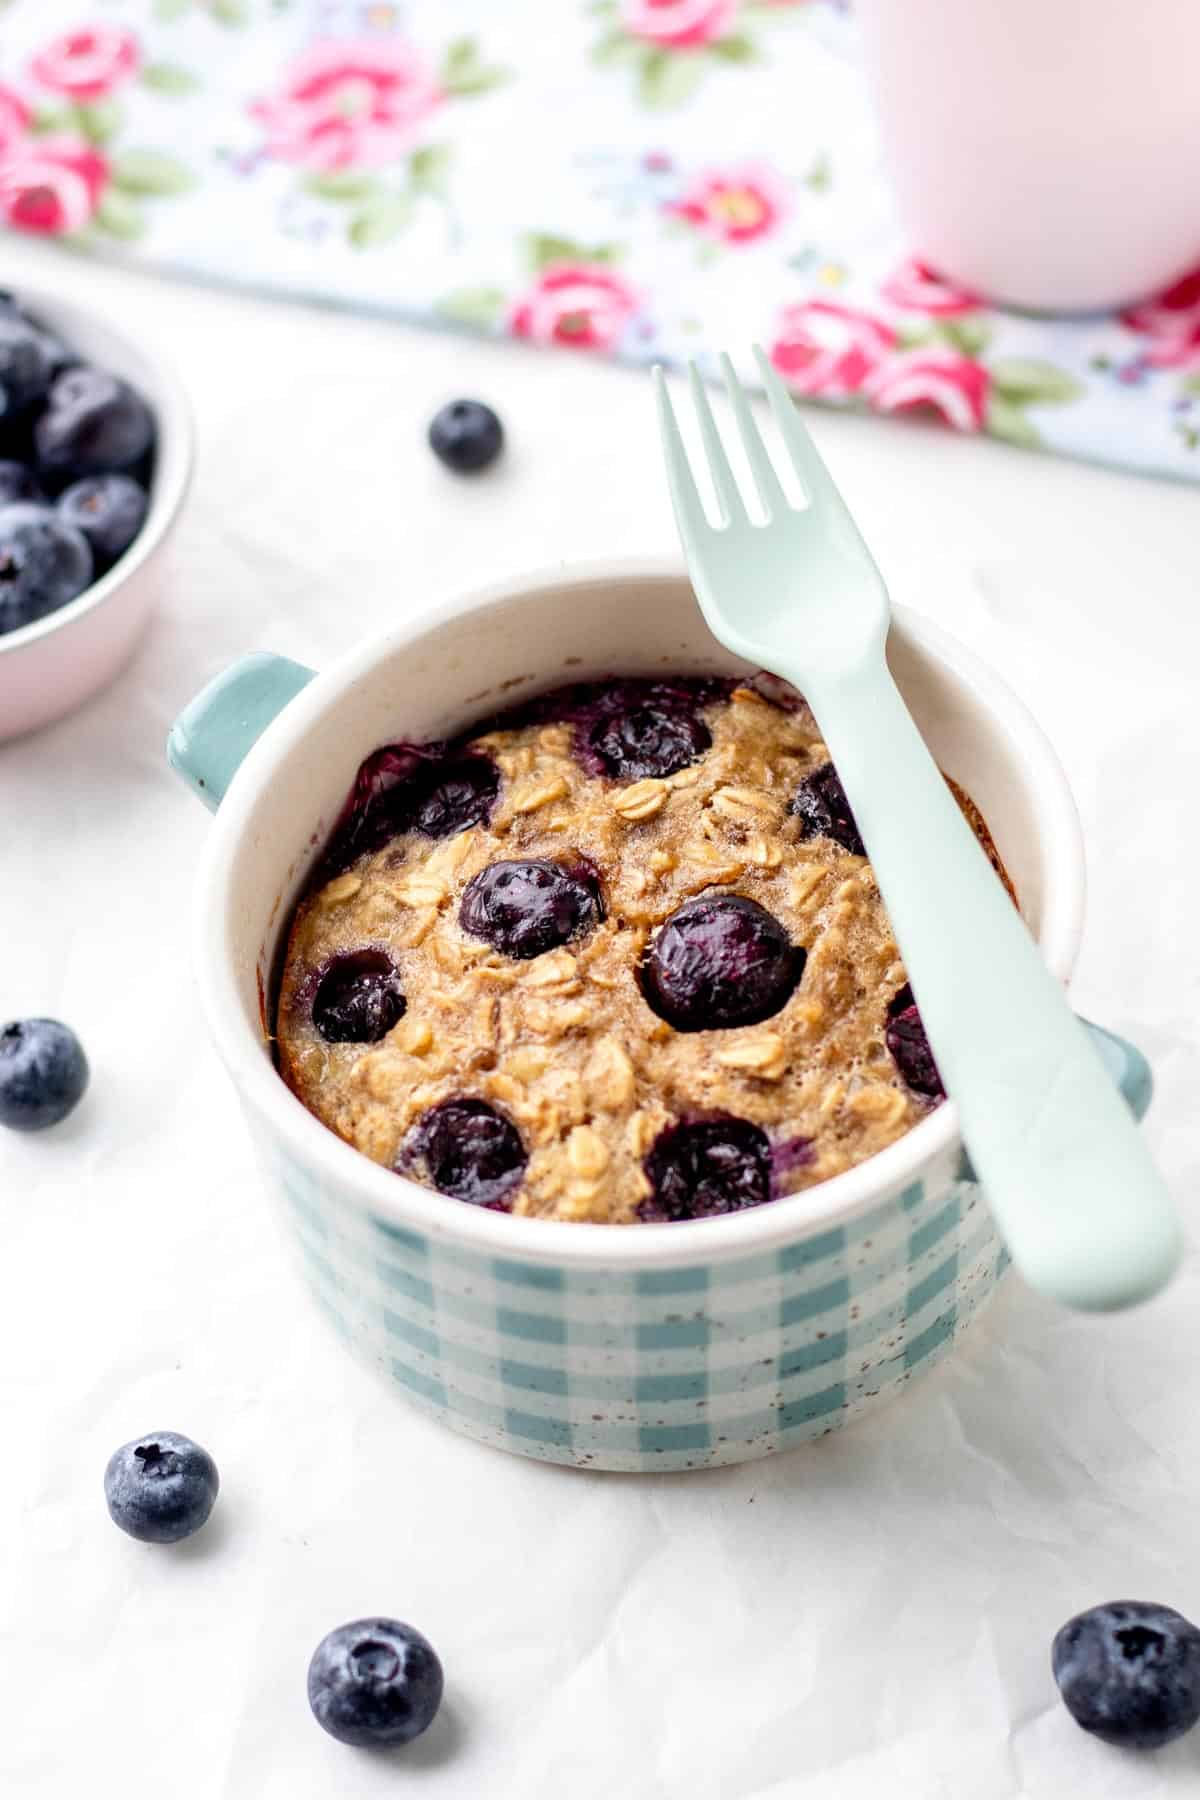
(481, 307)
(52, 115)
(544, 250)
(617, 47)
(169, 78)
(224, 12)
(969, 335)
(429, 168)
(340, 184)
(150, 172)
(668, 78)
(119, 215)
(464, 72)
(1026, 381)
(1006, 420)
(381, 219)
(736, 49)
(99, 120)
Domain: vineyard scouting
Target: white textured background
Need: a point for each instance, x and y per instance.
(867, 1617)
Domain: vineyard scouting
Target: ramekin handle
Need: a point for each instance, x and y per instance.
(213, 733)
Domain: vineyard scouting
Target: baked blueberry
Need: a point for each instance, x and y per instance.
(358, 998)
(375, 1682)
(629, 730)
(1129, 1672)
(467, 1149)
(109, 510)
(17, 482)
(525, 908)
(701, 1169)
(647, 739)
(93, 424)
(43, 1073)
(905, 1035)
(450, 796)
(413, 787)
(44, 563)
(821, 806)
(719, 962)
(160, 1488)
(466, 435)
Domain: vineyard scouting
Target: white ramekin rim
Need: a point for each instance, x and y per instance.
(174, 458)
(598, 1247)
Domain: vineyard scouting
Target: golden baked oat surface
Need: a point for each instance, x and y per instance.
(563, 1044)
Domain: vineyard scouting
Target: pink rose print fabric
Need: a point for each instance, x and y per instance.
(737, 206)
(682, 24)
(52, 185)
(653, 180)
(86, 64)
(578, 306)
(357, 104)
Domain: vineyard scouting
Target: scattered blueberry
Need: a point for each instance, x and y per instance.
(525, 908)
(358, 998)
(707, 1167)
(109, 510)
(821, 806)
(905, 1035)
(718, 962)
(44, 563)
(94, 424)
(17, 482)
(466, 435)
(467, 1149)
(160, 1488)
(43, 1073)
(647, 740)
(26, 367)
(1130, 1673)
(375, 1682)
(413, 787)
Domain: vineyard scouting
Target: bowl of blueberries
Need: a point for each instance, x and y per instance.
(95, 454)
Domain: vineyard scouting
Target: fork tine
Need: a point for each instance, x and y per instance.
(765, 479)
(689, 512)
(820, 489)
(733, 507)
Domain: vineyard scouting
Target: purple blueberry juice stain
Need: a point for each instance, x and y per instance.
(467, 1149)
(436, 790)
(705, 1168)
(720, 962)
(906, 1039)
(786, 1157)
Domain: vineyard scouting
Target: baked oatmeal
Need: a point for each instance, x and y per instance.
(616, 956)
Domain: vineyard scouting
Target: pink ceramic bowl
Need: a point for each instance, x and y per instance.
(49, 668)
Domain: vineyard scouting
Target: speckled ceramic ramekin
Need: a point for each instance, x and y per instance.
(650, 1347)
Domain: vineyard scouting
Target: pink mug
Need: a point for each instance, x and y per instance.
(1043, 152)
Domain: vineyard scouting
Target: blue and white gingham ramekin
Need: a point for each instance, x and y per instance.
(650, 1347)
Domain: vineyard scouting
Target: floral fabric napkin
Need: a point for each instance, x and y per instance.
(650, 179)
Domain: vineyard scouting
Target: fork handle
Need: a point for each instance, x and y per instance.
(1085, 1213)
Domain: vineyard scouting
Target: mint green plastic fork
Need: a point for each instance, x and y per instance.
(1086, 1216)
